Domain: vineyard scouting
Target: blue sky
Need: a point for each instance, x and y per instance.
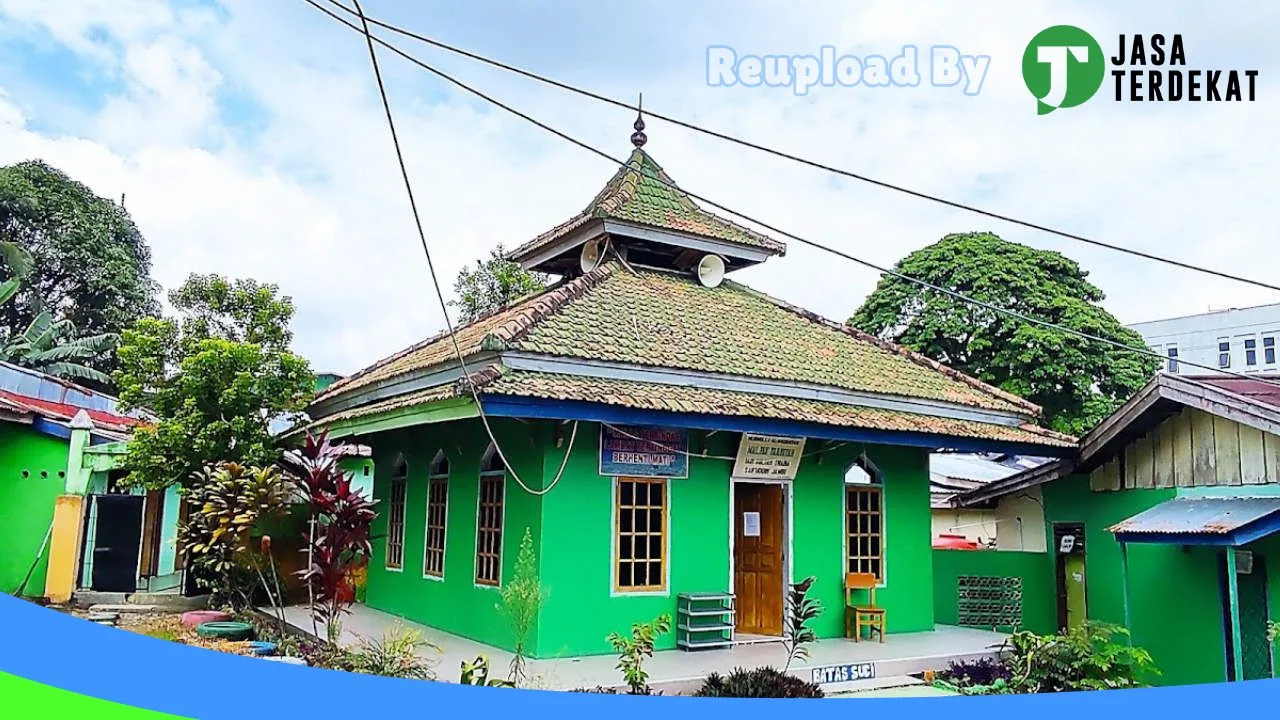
(247, 139)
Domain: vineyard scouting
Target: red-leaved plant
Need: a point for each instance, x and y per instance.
(338, 527)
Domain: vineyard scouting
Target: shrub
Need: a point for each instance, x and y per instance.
(395, 654)
(477, 673)
(597, 689)
(522, 598)
(969, 673)
(1088, 657)
(633, 650)
(763, 682)
(800, 610)
(337, 535)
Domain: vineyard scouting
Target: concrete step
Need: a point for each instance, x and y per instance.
(153, 602)
(125, 608)
(85, 598)
(879, 683)
(170, 601)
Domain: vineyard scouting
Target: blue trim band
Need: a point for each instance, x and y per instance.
(521, 407)
(48, 427)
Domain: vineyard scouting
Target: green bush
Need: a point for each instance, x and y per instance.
(763, 682)
(395, 655)
(1094, 656)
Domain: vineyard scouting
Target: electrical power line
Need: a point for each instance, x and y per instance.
(812, 243)
(444, 308)
(803, 160)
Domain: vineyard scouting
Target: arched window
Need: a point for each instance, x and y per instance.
(395, 514)
(864, 518)
(437, 514)
(489, 516)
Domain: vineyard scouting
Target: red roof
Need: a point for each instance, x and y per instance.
(1266, 391)
(62, 411)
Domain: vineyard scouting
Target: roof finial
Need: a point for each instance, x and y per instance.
(638, 138)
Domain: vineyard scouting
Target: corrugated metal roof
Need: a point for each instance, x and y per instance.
(1199, 516)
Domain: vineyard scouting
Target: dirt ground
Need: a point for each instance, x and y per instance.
(168, 626)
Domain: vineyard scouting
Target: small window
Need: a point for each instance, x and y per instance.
(395, 515)
(437, 511)
(864, 519)
(1224, 353)
(489, 510)
(640, 545)
(1250, 351)
(1269, 350)
(1172, 353)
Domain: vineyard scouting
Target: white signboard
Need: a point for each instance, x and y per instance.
(766, 457)
(843, 673)
(1067, 544)
(751, 524)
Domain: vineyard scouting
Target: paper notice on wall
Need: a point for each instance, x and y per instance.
(751, 524)
(766, 457)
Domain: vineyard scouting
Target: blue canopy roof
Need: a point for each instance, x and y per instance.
(1227, 521)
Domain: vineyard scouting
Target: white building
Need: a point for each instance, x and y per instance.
(1240, 340)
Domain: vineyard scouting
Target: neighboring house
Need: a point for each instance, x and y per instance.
(1008, 527)
(64, 523)
(1238, 340)
(672, 433)
(1165, 520)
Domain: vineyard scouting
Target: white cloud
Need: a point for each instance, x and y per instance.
(310, 197)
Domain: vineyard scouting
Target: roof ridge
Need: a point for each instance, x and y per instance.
(555, 295)
(896, 349)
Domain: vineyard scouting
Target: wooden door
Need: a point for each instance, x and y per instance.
(758, 576)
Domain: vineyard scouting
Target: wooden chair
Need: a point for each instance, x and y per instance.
(857, 617)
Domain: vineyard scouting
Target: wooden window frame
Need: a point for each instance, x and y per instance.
(485, 560)
(396, 513)
(664, 562)
(436, 509)
(855, 561)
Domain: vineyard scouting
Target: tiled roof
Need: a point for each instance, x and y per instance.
(641, 192)
(400, 402)
(666, 320)
(65, 412)
(707, 401)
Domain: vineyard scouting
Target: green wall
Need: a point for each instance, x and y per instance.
(1175, 610)
(26, 503)
(454, 604)
(1039, 592)
(572, 526)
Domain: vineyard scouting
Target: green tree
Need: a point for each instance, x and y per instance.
(90, 267)
(492, 285)
(1077, 381)
(215, 377)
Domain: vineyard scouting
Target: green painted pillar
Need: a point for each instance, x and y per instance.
(78, 471)
(1124, 587)
(1233, 593)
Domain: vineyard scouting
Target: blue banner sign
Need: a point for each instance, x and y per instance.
(632, 451)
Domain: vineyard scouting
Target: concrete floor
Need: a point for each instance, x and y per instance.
(676, 671)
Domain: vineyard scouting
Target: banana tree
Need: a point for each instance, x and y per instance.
(51, 347)
(20, 265)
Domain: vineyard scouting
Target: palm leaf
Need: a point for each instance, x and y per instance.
(74, 371)
(18, 259)
(8, 289)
